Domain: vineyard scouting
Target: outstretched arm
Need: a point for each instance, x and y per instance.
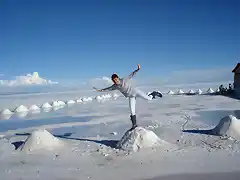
(134, 72)
(110, 88)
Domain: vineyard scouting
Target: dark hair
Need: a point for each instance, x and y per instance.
(114, 76)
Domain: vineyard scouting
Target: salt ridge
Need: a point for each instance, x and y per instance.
(56, 104)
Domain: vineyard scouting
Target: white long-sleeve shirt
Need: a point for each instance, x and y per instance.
(125, 87)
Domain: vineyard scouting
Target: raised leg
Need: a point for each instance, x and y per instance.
(143, 95)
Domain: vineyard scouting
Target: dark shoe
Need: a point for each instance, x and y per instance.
(134, 122)
(154, 94)
(158, 94)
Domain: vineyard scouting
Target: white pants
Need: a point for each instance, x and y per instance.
(132, 101)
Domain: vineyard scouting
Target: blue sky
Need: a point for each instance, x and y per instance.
(87, 38)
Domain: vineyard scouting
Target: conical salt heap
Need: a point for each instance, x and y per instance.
(21, 108)
(210, 90)
(41, 140)
(139, 138)
(191, 91)
(228, 125)
(170, 92)
(180, 91)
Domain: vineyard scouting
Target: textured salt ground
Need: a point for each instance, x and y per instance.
(201, 176)
(197, 153)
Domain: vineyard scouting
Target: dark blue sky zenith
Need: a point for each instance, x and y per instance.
(87, 38)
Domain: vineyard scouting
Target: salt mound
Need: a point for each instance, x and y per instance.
(61, 103)
(108, 96)
(90, 99)
(34, 108)
(180, 91)
(139, 138)
(55, 103)
(98, 98)
(41, 140)
(115, 96)
(191, 92)
(21, 109)
(70, 102)
(217, 90)
(103, 96)
(46, 105)
(6, 112)
(228, 125)
(210, 90)
(170, 92)
(84, 99)
(78, 100)
(199, 91)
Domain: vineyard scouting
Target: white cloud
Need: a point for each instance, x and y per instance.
(100, 82)
(29, 79)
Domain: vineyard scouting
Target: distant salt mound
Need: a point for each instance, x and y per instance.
(108, 96)
(46, 105)
(98, 98)
(70, 102)
(21, 108)
(217, 90)
(139, 138)
(79, 101)
(103, 96)
(90, 98)
(115, 95)
(170, 92)
(228, 125)
(61, 103)
(191, 91)
(210, 90)
(55, 103)
(180, 91)
(199, 91)
(34, 107)
(41, 140)
(84, 99)
(6, 112)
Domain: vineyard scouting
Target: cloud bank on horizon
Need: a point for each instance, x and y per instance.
(29, 79)
(175, 77)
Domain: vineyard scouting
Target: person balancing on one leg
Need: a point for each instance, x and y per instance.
(123, 85)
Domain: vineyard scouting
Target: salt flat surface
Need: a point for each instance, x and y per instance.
(89, 150)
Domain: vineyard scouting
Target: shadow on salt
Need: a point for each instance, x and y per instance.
(15, 124)
(213, 117)
(82, 133)
(227, 123)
